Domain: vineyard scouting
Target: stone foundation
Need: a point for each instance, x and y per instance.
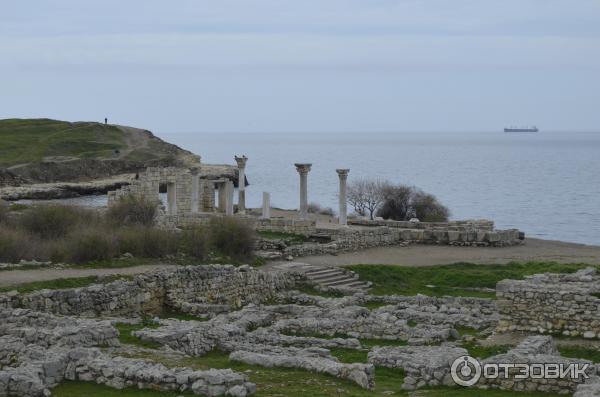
(551, 303)
(285, 225)
(149, 293)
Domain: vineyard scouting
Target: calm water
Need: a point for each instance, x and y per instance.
(546, 184)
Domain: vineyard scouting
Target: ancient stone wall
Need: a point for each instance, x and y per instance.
(535, 350)
(149, 293)
(555, 303)
(286, 225)
(351, 239)
(478, 224)
(187, 194)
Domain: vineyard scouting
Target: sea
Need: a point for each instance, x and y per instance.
(546, 184)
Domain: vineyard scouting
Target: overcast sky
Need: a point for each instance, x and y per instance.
(304, 65)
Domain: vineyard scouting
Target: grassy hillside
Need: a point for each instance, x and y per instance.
(35, 140)
(44, 150)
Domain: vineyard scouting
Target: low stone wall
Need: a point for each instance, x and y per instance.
(477, 224)
(148, 293)
(286, 225)
(535, 350)
(423, 365)
(553, 303)
(351, 239)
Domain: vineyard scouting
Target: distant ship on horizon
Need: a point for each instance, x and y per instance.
(521, 129)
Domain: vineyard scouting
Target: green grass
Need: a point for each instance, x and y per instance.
(17, 207)
(586, 353)
(289, 237)
(61, 283)
(482, 352)
(30, 140)
(453, 280)
(177, 315)
(287, 382)
(116, 263)
(126, 337)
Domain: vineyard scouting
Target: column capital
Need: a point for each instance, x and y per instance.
(194, 170)
(303, 168)
(241, 161)
(343, 172)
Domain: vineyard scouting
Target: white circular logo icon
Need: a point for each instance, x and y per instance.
(465, 371)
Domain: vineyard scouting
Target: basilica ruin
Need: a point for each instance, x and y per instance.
(192, 198)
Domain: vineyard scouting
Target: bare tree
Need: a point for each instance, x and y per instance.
(365, 196)
(356, 196)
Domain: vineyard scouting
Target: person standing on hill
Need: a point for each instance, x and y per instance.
(105, 120)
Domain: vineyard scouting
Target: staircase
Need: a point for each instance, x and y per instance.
(324, 276)
(335, 277)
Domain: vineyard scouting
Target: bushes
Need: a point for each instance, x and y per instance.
(397, 203)
(91, 245)
(132, 210)
(146, 242)
(231, 237)
(315, 208)
(55, 221)
(194, 242)
(428, 209)
(401, 203)
(75, 235)
(3, 211)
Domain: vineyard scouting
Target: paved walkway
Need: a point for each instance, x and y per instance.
(13, 277)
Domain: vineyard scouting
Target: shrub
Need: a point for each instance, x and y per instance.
(144, 241)
(94, 244)
(231, 237)
(55, 221)
(397, 203)
(15, 245)
(132, 210)
(403, 202)
(428, 209)
(4, 210)
(315, 208)
(194, 242)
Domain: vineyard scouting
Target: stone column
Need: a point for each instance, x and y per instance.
(303, 170)
(241, 163)
(229, 198)
(266, 205)
(222, 194)
(343, 174)
(195, 190)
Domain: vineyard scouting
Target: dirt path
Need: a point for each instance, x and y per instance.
(428, 255)
(14, 277)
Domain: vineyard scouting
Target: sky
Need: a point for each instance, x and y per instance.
(304, 66)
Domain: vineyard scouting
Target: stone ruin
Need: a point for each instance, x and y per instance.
(191, 200)
(257, 318)
(567, 304)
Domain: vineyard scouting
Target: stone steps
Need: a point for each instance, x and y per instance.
(335, 277)
(327, 276)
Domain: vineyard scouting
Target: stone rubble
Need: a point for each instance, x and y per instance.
(257, 318)
(423, 365)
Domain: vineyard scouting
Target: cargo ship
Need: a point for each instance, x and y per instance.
(521, 129)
